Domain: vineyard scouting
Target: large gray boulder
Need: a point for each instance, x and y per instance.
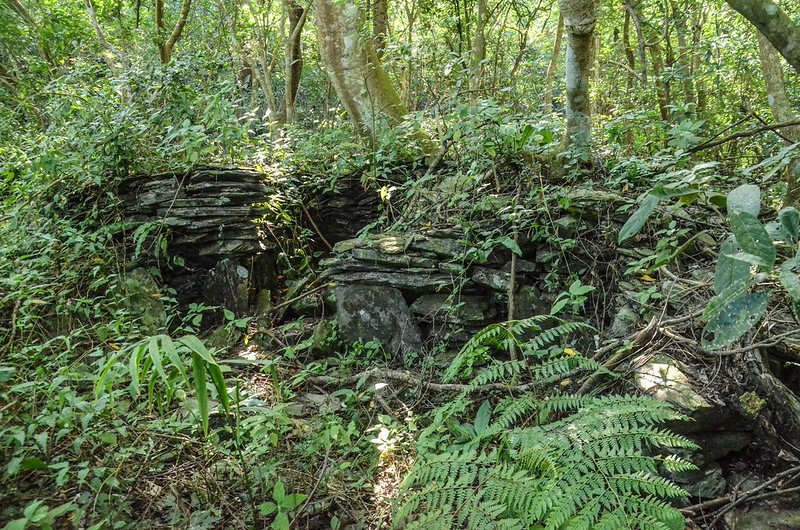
(372, 312)
(228, 286)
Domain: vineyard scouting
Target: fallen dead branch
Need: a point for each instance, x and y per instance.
(412, 379)
(722, 505)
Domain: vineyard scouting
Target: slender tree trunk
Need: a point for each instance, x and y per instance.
(478, 55)
(380, 25)
(41, 44)
(684, 53)
(781, 106)
(551, 68)
(166, 44)
(774, 24)
(111, 51)
(354, 68)
(697, 35)
(661, 87)
(629, 57)
(580, 17)
(640, 39)
(293, 57)
(596, 70)
(408, 71)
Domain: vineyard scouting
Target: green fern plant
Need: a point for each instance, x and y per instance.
(546, 461)
(527, 335)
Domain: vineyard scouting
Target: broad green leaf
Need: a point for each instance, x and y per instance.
(777, 231)
(16, 524)
(33, 463)
(578, 289)
(737, 317)
(281, 522)
(745, 199)
(636, 221)
(752, 237)
(749, 259)
(790, 219)
(733, 291)
(511, 245)
(789, 279)
(199, 372)
(729, 270)
(267, 508)
(293, 500)
(278, 492)
(559, 305)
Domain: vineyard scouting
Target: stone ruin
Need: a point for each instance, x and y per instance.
(409, 291)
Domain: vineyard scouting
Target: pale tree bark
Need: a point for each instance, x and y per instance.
(166, 44)
(782, 110)
(27, 17)
(640, 40)
(293, 57)
(551, 68)
(698, 21)
(774, 24)
(478, 54)
(380, 24)
(580, 17)
(662, 87)
(264, 60)
(110, 50)
(354, 68)
(679, 17)
(629, 57)
(410, 7)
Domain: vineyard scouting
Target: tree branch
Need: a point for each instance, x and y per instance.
(744, 134)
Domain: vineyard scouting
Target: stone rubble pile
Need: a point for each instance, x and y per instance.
(408, 290)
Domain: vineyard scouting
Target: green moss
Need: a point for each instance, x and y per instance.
(751, 403)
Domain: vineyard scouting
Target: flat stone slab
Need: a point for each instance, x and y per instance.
(466, 309)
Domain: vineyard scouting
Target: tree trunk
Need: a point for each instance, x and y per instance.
(626, 43)
(380, 24)
(353, 67)
(41, 44)
(293, 57)
(640, 39)
(478, 55)
(661, 87)
(408, 70)
(781, 106)
(774, 24)
(167, 44)
(699, 84)
(684, 53)
(580, 17)
(110, 50)
(551, 68)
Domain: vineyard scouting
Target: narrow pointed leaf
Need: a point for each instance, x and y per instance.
(199, 373)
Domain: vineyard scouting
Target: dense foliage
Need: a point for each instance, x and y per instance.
(107, 421)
